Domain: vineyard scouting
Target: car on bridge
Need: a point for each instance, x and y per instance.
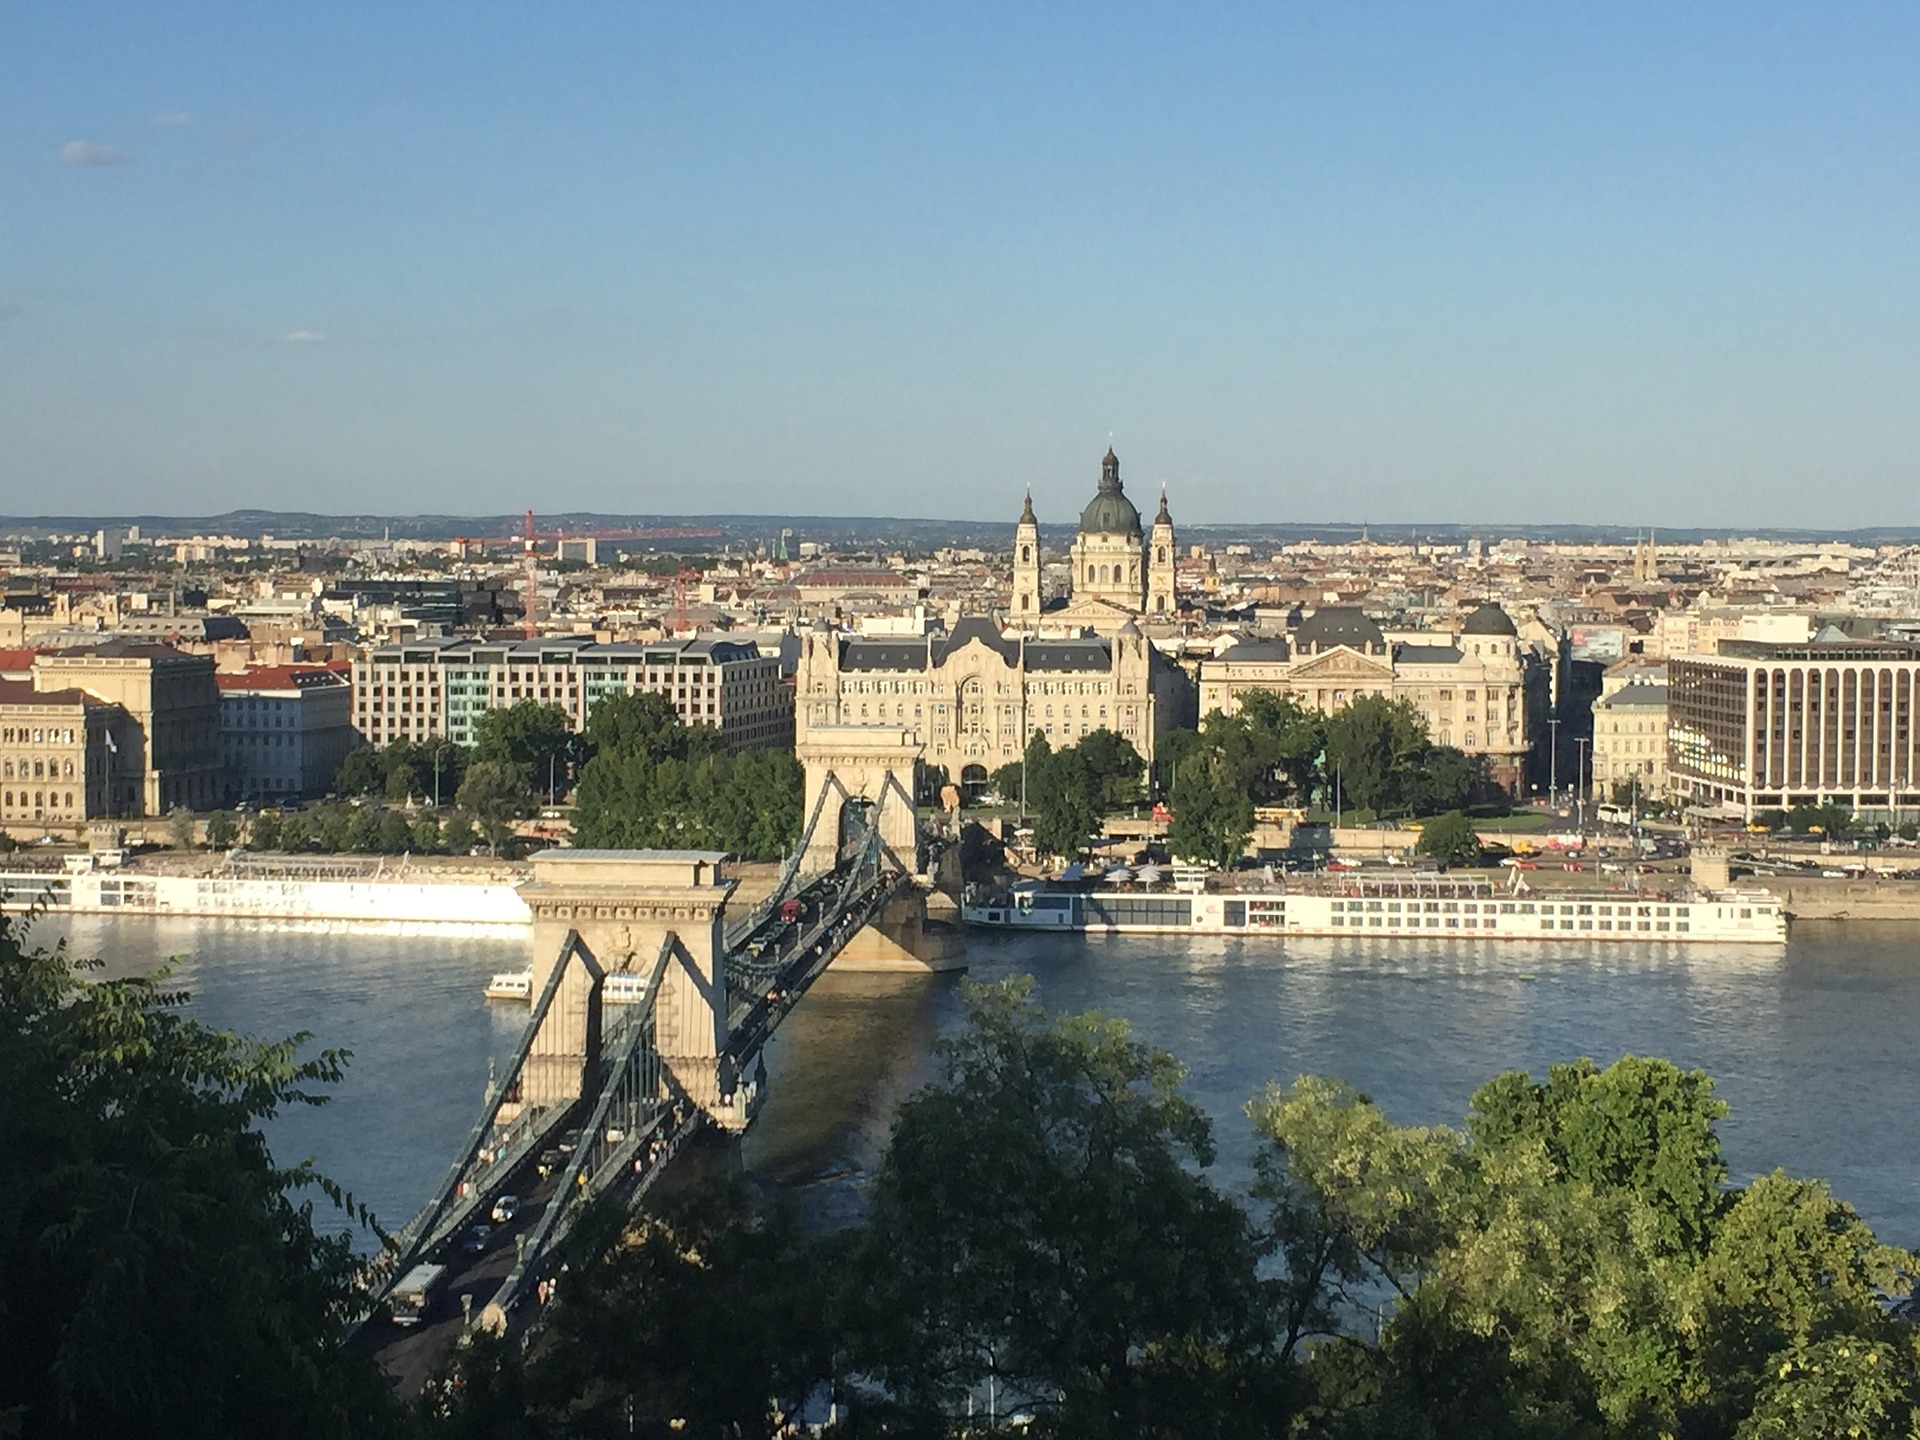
(476, 1239)
(505, 1208)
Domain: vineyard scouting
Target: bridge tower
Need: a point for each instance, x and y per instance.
(850, 770)
(859, 766)
(625, 905)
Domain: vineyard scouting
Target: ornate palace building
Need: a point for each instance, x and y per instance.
(1479, 689)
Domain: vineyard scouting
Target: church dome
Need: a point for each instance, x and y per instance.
(1488, 619)
(1110, 512)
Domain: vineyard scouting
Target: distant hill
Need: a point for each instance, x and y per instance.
(843, 531)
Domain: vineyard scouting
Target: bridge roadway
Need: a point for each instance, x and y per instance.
(638, 1124)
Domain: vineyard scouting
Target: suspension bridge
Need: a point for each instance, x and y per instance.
(596, 1099)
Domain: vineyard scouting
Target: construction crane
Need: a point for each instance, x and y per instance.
(680, 579)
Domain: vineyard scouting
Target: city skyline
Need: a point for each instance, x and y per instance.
(1481, 267)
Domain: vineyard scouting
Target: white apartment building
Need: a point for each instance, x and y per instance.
(419, 689)
(283, 731)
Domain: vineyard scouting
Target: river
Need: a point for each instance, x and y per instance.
(1811, 1047)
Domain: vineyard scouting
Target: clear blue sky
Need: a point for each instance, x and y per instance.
(1641, 264)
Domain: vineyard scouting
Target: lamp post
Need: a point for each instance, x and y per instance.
(1553, 760)
(1579, 778)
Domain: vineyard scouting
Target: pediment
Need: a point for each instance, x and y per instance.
(1342, 663)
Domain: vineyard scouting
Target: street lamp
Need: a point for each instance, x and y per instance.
(1553, 760)
(1579, 777)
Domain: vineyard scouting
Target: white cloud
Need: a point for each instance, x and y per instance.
(170, 120)
(85, 152)
(299, 337)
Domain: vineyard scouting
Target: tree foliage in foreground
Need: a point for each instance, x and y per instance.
(160, 1274)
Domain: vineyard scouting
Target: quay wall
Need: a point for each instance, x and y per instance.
(1827, 898)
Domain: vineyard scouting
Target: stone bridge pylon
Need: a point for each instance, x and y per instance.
(853, 770)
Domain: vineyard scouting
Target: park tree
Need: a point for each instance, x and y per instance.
(163, 1275)
(495, 793)
(645, 722)
(1114, 769)
(533, 737)
(1440, 779)
(1374, 743)
(1450, 839)
(426, 836)
(220, 830)
(1211, 817)
(1042, 1223)
(458, 836)
(1063, 798)
(363, 831)
(394, 836)
(180, 827)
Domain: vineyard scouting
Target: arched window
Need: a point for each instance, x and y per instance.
(1026, 602)
(1160, 555)
(69, 799)
(1090, 574)
(1026, 554)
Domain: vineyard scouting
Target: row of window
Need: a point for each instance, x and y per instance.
(41, 769)
(41, 799)
(36, 735)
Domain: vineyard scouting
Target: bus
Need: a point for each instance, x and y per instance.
(410, 1297)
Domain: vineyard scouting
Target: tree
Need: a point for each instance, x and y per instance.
(495, 794)
(1041, 1221)
(1441, 779)
(180, 827)
(1451, 838)
(426, 836)
(458, 836)
(362, 834)
(533, 737)
(394, 836)
(646, 723)
(1573, 1264)
(1062, 796)
(220, 830)
(164, 1276)
(707, 1319)
(1114, 769)
(362, 772)
(1211, 818)
(1375, 742)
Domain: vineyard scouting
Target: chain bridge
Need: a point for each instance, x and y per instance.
(596, 1098)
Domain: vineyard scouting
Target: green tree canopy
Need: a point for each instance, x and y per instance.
(532, 736)
(495, 794)
(1041, 1220)
(1450, 838)
(1374, 743)
(163, 1276)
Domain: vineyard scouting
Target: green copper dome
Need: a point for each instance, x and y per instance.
(1110, 512)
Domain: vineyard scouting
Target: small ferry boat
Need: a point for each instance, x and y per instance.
(1348, 905)
(622, 987)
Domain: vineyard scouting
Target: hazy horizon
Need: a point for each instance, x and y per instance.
(1474, 266)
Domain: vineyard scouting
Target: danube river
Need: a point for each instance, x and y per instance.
(1812, 1046)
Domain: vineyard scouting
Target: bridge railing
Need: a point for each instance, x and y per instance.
(471, 1178)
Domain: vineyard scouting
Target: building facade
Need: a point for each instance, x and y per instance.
(1762, 726)
(417, 690)
(1479, 690)
(55, 755)
(1630, 741)
(167, 754)
(284, 731)
(974, 696)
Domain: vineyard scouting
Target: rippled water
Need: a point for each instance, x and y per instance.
(1811, 1047)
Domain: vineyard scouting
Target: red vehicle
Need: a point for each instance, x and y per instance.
(792, 910)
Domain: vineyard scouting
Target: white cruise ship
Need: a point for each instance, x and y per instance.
(1379, 908)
